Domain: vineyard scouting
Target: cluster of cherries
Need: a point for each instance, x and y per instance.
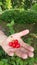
(14, 44)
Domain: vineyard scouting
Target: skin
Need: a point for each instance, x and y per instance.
(24, 51)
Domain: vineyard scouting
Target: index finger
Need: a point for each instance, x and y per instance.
(22, 33)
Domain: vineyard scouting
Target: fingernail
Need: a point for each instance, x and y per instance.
(11, 54)
(25, 56)
(32, 49)
(31, 54)
(27, 30)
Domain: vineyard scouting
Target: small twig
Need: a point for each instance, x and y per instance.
(34, 35)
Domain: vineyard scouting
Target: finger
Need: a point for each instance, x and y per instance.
(30, 54)
(10, 53)
(7, 51)
(26, 46)
(12, 49)
(22, 33)
(21, 54)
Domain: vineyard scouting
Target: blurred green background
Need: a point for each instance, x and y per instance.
(15, 16)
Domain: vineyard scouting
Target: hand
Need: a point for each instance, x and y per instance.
(24, 51)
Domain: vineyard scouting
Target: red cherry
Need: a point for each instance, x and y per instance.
(18, 46)
(16, 41)
(10, 43)
(14, 45)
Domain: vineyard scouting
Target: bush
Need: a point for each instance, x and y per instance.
(34, 7)
(19, 17)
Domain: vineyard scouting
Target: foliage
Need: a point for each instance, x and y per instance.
(17, 3)
(27, 4)
(0, 10)
(0, 3)
(10, 26)
(8, 4)
(34, 7)
(19, 17)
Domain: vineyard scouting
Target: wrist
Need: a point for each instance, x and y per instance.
(2, 37)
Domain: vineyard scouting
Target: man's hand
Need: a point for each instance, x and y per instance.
(24, 51)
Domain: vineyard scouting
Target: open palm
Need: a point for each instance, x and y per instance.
(24, 51)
